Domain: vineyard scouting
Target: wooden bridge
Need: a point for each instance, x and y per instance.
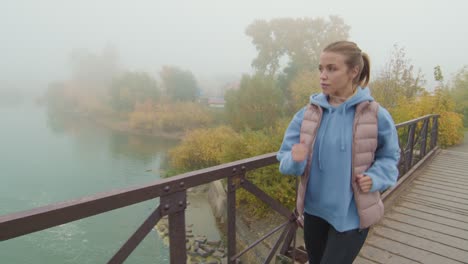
(427, 221)
(426, 218)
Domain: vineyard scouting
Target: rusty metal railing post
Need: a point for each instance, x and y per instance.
(434, 131)
(231, 217)
(174, 205)
(410, 145)
(423, 150)
(177, 238)
(291, 235)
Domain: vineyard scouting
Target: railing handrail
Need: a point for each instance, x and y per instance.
(172, 192)
(18, 224)
(416, 120)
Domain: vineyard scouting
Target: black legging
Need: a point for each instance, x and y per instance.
(325, 245)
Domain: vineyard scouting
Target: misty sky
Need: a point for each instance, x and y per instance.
(207, 36)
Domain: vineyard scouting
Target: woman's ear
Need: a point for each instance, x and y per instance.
(353, 72)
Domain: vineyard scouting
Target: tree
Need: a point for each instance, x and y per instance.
(397, 79)
(257, 104)
(300, 89)
(287, 47)
(459, 91)
(180, 85)
(95, 70)
(131, 88)
(299, 41)
(438, 76)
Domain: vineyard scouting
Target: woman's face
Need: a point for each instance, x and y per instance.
(335, 76)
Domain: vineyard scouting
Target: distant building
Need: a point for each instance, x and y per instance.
(216, 102)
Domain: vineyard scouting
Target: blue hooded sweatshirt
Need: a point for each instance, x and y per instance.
(329, 193)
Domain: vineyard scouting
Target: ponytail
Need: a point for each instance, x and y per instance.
(364, 77)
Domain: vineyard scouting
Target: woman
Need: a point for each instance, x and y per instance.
(345, 147)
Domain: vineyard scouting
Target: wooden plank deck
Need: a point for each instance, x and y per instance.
(428, 223)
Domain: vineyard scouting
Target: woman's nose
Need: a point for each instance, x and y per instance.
(323, 75)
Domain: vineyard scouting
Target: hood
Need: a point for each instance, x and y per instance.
(361, 95)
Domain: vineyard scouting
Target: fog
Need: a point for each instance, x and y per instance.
(208, 37)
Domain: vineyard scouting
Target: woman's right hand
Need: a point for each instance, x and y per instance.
(299, 152)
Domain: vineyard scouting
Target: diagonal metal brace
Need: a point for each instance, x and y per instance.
(277, 206)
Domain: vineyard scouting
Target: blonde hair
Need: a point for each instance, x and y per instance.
(354, 57)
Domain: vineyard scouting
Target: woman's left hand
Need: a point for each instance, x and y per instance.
(364, 182)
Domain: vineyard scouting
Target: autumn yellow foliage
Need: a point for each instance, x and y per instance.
(169, 117)
(178, 116)
(441, 103)
(300, 89)
(203, 148)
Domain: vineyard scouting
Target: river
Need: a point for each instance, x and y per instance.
(46, 159)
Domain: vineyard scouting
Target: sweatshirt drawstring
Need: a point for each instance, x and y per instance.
(322, 101)
(320, 146)
(343, 115)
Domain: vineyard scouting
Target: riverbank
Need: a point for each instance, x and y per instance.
(124, 127)
(117, 124)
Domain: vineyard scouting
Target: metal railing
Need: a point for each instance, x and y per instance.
(173, 201)
(417, 137)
